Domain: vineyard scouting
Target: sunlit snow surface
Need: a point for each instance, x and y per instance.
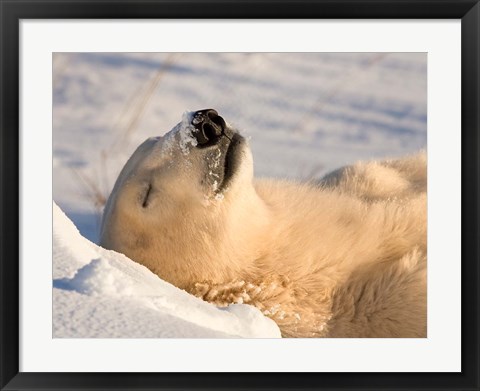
(101, 293)
(304, 114)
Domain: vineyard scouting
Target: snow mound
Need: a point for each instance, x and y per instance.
(101, 293)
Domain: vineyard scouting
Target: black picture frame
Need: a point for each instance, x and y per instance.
(12, 11)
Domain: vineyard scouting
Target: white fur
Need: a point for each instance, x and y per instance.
(345, 257)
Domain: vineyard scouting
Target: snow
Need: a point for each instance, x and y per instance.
(101, 293)
(304, 114)
(185, 130)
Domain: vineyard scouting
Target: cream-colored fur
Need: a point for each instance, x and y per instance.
(345, 257)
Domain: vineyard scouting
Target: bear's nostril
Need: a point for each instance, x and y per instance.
(208, 127)
(211, 131)
(220, 122)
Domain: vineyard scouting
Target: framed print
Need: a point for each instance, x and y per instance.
(352, 109)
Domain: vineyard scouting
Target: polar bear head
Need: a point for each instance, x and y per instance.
(184, 204)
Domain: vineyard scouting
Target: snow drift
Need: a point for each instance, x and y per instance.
(99, 293)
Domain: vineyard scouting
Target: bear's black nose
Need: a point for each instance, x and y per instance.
(209, 127)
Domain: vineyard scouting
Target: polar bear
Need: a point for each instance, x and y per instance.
(343, 257)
